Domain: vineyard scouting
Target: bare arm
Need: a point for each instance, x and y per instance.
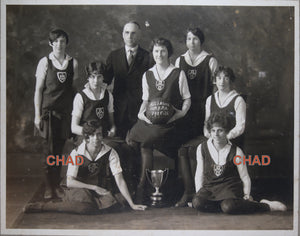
(75, 127)
(141, 114)
(38, 94)
(112, 131)
(181, 113)
(199, 170)
(74, 183)
(243, 172)
(124, 191)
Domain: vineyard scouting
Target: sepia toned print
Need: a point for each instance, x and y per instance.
(258, 41)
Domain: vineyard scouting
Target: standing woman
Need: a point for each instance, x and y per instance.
(199, 67)
(169, 83)
(53, 97)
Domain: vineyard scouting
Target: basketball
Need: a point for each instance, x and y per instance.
(159, 111)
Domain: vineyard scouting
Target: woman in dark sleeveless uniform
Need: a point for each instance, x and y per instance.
(168, 83)
(94, 102)
(92, 185)
(199, 67)
(221, 185)
(53, 103)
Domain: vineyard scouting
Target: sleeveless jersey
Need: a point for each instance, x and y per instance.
(229, 109)
(220, 181)
(167, 89)
(58, 93)
(200, 86)
(96, 172)
(95, 110)
(198, 78)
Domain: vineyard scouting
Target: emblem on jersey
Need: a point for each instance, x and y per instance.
(160, 85)
(62, 76)
(218, 169)
(192, 74)
(93, 167)
(100, 112)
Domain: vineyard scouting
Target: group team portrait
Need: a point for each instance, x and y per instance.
(131, 112)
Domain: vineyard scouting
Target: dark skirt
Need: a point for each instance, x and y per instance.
(226, 190)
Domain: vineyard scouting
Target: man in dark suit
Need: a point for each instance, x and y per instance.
(126, 66)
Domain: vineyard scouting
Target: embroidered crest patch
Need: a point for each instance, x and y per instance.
(100, 112)
(62, 76)
(192, 74)
(218, 169)
(160, 85)
(93, 167)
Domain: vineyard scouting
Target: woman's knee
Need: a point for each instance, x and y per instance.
(198, 202)
(228, 206)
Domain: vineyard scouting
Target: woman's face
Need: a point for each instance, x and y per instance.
(95, 80)
(96, 138)
(59, 45)
(160, 54)
(223, 82)
(218, 133)
(192, 42)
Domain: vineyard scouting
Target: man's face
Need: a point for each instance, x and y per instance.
(131, 34)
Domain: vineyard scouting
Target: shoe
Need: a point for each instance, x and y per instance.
(274, 205)
(48, 193)
(59, 192)
(33, 207)
(183, 202)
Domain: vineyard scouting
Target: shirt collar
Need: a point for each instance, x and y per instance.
(57, 64)
(210, 143)
(82, 151)
(132, 49)
(228, 98)
(168, 71)
(203, 54)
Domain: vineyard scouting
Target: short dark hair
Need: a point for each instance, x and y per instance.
(221, 118)
(95, 67)
(133, 22)
(197, 32)
(227, 71)
(162, 42)
(90, 127)
(54, 34)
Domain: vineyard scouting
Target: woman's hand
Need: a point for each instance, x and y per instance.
(248, 197)
(177, 115)
(138, 207)
(37, 122)
(143, 117)
(101, 191)
(112, 131)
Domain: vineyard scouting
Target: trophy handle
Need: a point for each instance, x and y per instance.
(148, 178)
(167, 171)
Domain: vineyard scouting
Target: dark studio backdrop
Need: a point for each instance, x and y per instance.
(257, 42)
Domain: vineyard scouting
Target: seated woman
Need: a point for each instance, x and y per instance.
(163, 81)
(227, 101)
(94, 102)
(90, 187)
(222, 185)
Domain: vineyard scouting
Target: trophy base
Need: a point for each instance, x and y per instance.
(156, 201)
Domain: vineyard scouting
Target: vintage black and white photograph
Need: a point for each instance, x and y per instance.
(150, 117)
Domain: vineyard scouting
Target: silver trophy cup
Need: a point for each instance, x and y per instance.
(157, 179)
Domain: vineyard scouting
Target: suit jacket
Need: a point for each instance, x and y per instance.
(128, 79)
